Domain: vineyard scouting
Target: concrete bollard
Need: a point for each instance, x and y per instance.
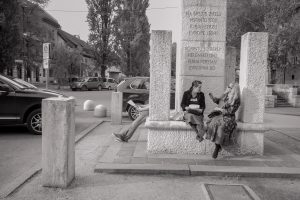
(89, 105)
(100, 111)
(58, 142)
(116, 107)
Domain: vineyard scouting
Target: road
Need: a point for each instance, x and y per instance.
(20, 150)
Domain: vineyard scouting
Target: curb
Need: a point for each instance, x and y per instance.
(199, 170)
(21, 180)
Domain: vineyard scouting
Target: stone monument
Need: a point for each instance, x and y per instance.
(58, 142)
(201, 52)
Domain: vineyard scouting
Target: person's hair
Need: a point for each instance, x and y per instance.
(234, 94)
(195, 83)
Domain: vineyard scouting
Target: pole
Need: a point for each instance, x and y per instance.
(47, 77)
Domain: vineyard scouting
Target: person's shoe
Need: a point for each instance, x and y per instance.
(119, 137)
(216, 151)
(200, 139)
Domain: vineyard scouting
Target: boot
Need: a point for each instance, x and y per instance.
(216, 151)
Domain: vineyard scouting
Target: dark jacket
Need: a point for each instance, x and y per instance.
(187, 97)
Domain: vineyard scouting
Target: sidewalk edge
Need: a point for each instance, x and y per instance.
(21, 180)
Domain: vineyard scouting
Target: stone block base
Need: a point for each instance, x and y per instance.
(270, 101)
(178, 137)
(294, 100)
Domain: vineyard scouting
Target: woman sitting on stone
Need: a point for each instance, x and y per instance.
(221, 126)
(193, 105)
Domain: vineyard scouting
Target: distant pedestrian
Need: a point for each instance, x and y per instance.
(222, 123)
(193, 105)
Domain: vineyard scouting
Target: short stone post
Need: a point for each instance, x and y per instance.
(58, 142)
(253, 66)
(116, 107)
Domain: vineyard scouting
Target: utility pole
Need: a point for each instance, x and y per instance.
(46, 60)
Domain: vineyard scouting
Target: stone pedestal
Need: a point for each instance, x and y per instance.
(201, 54)
(58, 142)
(116, 107)
(270, 101)
(177, 137)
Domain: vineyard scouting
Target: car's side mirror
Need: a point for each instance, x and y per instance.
(4, 89)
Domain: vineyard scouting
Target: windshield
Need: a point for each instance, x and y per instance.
(13, 83)
(24, 83)
(82, 79)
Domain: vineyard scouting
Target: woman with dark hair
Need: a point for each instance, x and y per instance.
(222, 123)
(193, 105)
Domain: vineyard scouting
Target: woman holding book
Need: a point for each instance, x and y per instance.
(193, 105)
(222, 119)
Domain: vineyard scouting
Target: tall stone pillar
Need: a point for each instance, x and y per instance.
(58, 142)
(202, 47)
(253, 66)
(160, 75)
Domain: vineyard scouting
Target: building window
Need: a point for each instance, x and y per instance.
(293, 77)
(44, 73)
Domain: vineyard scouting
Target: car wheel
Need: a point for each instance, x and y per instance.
(84, 88)
(133, 113)
(99, 87)
(34, 122)
(73, 89)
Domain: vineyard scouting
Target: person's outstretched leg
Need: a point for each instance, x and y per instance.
(135, 124)
(121, 136)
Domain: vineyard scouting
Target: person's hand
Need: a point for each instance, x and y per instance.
(187, 108)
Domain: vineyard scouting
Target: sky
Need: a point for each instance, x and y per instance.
(71, 15)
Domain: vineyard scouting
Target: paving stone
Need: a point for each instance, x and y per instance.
(154, 160)
(122, 160)
(143, 168)
(232, 192)
(125, 153)
(263, 172)
(141, 160)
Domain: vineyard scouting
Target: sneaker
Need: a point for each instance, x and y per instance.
(216, 151)
(118, 137)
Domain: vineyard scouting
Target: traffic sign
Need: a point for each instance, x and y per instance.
(46, 50)
(46, 63)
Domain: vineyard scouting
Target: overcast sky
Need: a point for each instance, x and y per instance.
(71, 15)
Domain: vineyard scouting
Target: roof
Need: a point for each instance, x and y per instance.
(74, 42)
(46, 17)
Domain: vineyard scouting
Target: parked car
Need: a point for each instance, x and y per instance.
(87, 83)
(110, 83)
(20, 104)
(137, 90)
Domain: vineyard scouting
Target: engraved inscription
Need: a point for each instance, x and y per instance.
(202, 58)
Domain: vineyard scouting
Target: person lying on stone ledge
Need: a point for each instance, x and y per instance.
(222, 123)
(193, 105)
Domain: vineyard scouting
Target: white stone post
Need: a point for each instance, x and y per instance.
(58, 142)
(253, 66)
(116, 107)
(160, 75)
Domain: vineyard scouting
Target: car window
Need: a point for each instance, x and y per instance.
(110, 80)
(136, 84)
(104, 79)
(12, 83)
(100, 79)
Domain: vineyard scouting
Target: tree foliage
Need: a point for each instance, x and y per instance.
(272, 16)
(10, 37)
(67, 63)
(132, 36)
(100, 16)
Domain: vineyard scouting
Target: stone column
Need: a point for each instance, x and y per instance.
(253, 66)
(116, 107)
(202, 47)
(58, 142)
(160, 75)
